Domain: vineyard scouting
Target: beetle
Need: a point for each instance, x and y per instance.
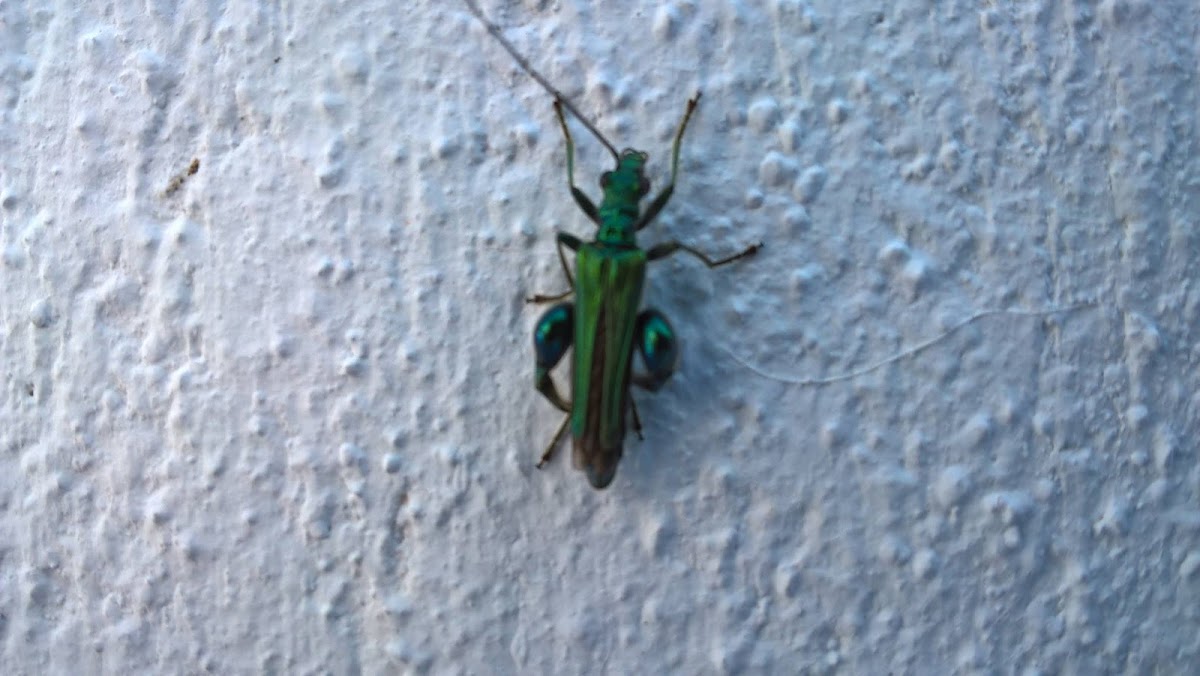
(603, 324)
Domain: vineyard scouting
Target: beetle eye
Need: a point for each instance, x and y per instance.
(605, 178)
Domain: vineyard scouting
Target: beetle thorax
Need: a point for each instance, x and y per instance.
(623, 188)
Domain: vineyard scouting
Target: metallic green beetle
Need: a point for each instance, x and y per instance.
(603, 324)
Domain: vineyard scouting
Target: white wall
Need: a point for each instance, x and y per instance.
(280, 418)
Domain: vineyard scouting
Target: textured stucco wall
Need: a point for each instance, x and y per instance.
(277, 416)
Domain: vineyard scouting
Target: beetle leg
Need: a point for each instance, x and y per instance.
(659, 349)
(637, 422)
(545, 385)
(541, 298)
(554, 442)
(581, 199)
(648, 382)
(552, 337)
(573, 243)
(667, 248)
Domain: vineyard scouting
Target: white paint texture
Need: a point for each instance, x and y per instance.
(281, 420)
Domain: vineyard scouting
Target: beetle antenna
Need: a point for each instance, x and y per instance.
(913, 350)
(512, 51)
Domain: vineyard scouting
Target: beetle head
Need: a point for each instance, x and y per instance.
(629, 177)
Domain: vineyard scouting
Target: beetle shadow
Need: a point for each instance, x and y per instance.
(692, 425)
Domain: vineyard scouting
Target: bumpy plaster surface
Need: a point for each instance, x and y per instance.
(277, 415)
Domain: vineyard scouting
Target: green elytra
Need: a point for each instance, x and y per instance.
(603, 324)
